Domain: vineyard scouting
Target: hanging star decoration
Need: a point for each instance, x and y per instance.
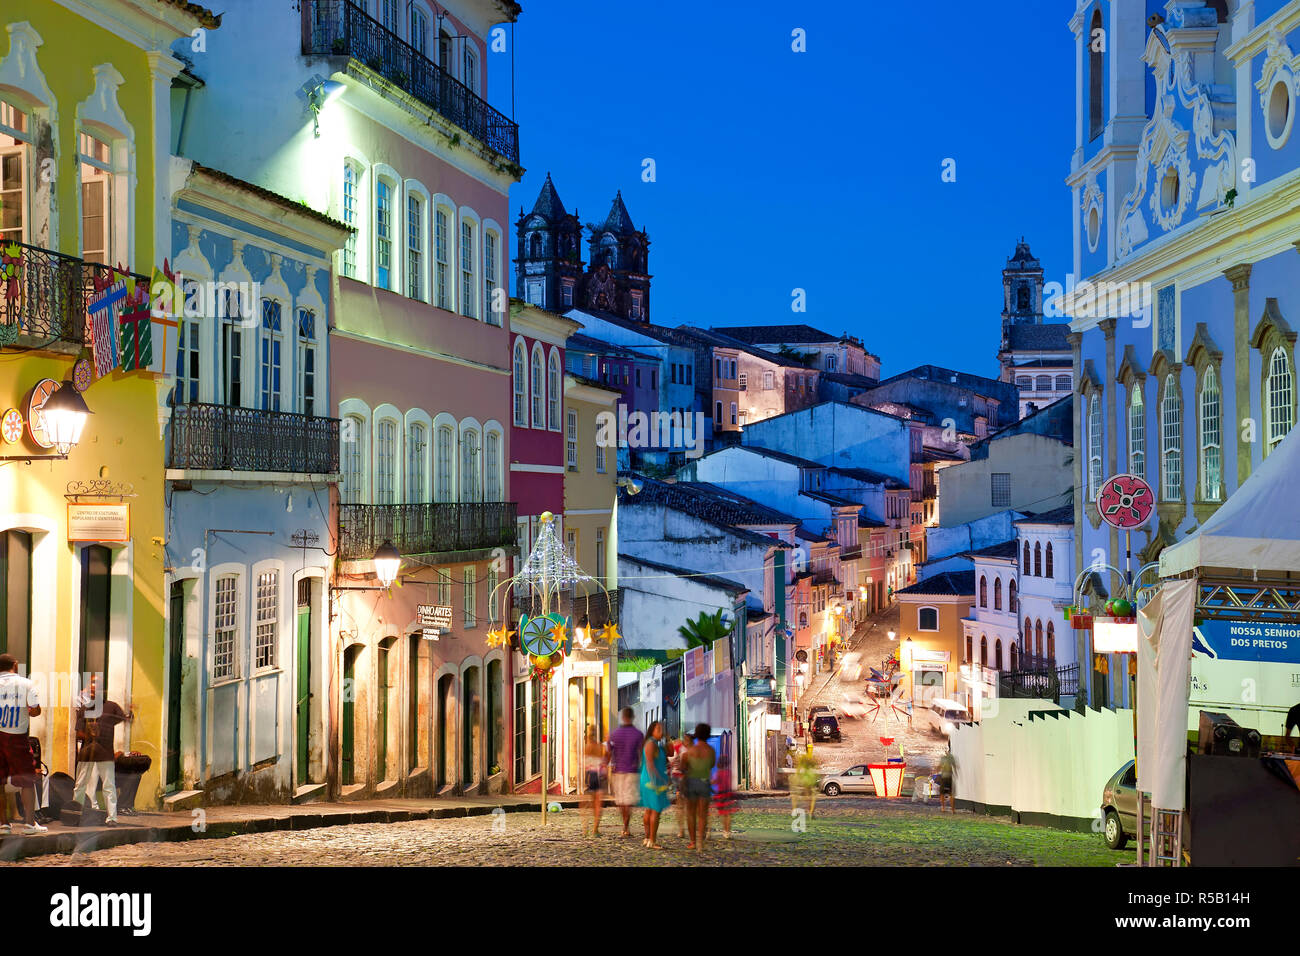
(559, 633)
(499, 638)
(609, 634)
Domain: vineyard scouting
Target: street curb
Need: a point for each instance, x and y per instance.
(14, 847)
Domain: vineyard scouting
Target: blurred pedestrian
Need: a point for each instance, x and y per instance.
(678, 791)
(96, 725)
(625, 745)
(18, 703)
(947, 771)
(724, 798)
(654, 783)
(700, 760)
(597, 758)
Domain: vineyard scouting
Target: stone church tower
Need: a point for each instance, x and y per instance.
(617, 278)
(1033, 354)
(548, 269)
(1022, 289)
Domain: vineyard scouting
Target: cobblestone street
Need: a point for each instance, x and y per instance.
(842, 832)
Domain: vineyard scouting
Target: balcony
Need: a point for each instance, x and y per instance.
(425, 528)
(222, 437)
(595, 607)
(46, 301)
(340, 28)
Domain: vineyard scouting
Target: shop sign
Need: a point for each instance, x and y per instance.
(758, 687)
(586, 668)
(433, 619)
(721, 655)
(99, 522)
(1249, 641)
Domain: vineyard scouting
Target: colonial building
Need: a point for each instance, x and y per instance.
(1183, 181)
(813, 348)
(1034, 355)
(84, 134)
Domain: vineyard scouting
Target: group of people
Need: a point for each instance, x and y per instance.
(647, 770)
(95, 723)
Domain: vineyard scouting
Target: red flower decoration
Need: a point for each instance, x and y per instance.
(1125, 501)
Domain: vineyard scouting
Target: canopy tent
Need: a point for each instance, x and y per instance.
(1256, 529)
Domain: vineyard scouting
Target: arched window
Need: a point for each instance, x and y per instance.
(997, 594)
(1280, 388)
(471, 484)
(968, 648)
(445, 464)
(492, 466)
(1022, 299)
(521, 384)
(535, 383)
(535, 246)
(1038, 637)
(803, 618)
(1211, 438)
(1051, 642)
(1043, 383)
(351, 434)
(1026, 560)
(984, 592)
(997, 654)
(1015, 659)
(984, 651)
(1062, 383)
(417, 451)
(1038, 559)
(386, 458)
(1096, 44)
(1047, 562)
(927, 619)
(1137, 431)
(1171, 441)
(1011, 597)
(1094, 446)
(553, 391)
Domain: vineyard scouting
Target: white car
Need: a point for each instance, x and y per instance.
(854, 780)
(943, 716)
(851, 668)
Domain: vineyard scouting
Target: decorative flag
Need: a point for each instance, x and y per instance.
(165, 311)
(103, 326)
(137, 331)
(11, 268)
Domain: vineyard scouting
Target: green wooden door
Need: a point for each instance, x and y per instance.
(349, 716)
(175, 652)
(381, 738)
(303, 710)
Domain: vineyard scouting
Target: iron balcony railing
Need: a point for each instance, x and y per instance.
(224, 437)
(340, 28)
(577, 604)
(44, 294)
(425, 528)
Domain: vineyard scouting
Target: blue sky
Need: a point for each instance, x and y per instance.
(820, 170)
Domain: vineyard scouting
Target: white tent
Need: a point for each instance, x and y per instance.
(1257, 529)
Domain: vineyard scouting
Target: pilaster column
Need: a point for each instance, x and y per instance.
(1080, 642)
(1239, 276)
(1110, 416)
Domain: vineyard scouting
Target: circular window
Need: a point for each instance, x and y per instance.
(1169, 191)
(1094, 227)
(1279, 113)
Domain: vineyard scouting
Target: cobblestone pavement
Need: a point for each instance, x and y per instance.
(844, 831)
(861, 743)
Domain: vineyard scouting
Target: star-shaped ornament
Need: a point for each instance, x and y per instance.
(610, 633)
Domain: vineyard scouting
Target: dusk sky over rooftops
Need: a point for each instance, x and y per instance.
(777, 170)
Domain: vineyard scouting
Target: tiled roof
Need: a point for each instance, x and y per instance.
(205, 16)
(803, 535)
(587, 343)
(947, 583)
(851, 379)
(938, 454)
(1004, 549)
(1061, 515)
(866, 522)
(713, 580)
(710, 503)
(276, 198)
(937, 373)
(779, 334)
(837, 501)
(1033, 337)
(730, 341)
(781, 456)
(870, 477)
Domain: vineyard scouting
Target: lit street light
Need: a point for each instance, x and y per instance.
(387, 561)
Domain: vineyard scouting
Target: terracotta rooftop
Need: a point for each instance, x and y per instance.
(955, 583)
(205, 16)
(710, 503)
(1061, 515)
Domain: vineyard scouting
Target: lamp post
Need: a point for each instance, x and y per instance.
(387, 560)
(64, 414)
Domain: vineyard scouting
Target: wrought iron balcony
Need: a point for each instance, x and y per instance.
(591, 604)
(425, 528)
(222, 437)
(44, 295)
(340, 28)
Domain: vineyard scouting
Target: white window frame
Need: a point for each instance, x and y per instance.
(419, 442)
(493, 444)
(386, 186)
(226, 620)
(101, 172)
(266, 621)
(519, 383)
(443, 290)
(445, 451)
(1095, 446)
(571, 440)
(388, 462)
(554, 389)
(350, 193)
(467, 263)
(307, 346)
(271, 397)
(1279, 390)
(416, 241)
(470, 458)
(24, 151)
(491, 272)
(469, 605)
(352, 458)
(1210, 408)
(537, 385)
(1137, 431)
(1171, 440)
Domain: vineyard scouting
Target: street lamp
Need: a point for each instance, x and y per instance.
(387, 561)
(64, 415)
(893, 635)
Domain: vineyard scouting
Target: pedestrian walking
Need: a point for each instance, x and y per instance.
(625, 745)
(678, 791)
(19, 702)
(597, 763)
(96, 724)
(654, 783)
(947, 771)
(724, 798)
(700, 761)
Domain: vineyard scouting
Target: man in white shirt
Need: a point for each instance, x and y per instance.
(18, 703)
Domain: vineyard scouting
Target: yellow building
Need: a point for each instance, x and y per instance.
(84, 143)
(930, 633)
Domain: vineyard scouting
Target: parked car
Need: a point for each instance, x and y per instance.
(826, 727)
(815, 710)
(1119, 806)
(943, 715)
(854, 780)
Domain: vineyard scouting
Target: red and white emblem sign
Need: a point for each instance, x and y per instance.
(1125, 501)
(12, 426)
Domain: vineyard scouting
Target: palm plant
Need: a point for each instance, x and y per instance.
(704, 630)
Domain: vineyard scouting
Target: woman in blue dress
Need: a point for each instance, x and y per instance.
(654, 783)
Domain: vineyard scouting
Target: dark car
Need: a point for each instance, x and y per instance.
(826, 727)
(1119, 807)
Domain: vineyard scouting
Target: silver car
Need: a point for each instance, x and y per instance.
(854, 780)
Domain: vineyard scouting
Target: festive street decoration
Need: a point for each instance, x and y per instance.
(136, 331)
(12, 426)
(165, 307)
(609, 634)
(82, 374)
(500, 637)
(1125, 501)
(104, 311)
(11, 268)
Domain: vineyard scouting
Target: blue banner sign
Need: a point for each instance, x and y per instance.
(758, 687)
(1248, 641)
